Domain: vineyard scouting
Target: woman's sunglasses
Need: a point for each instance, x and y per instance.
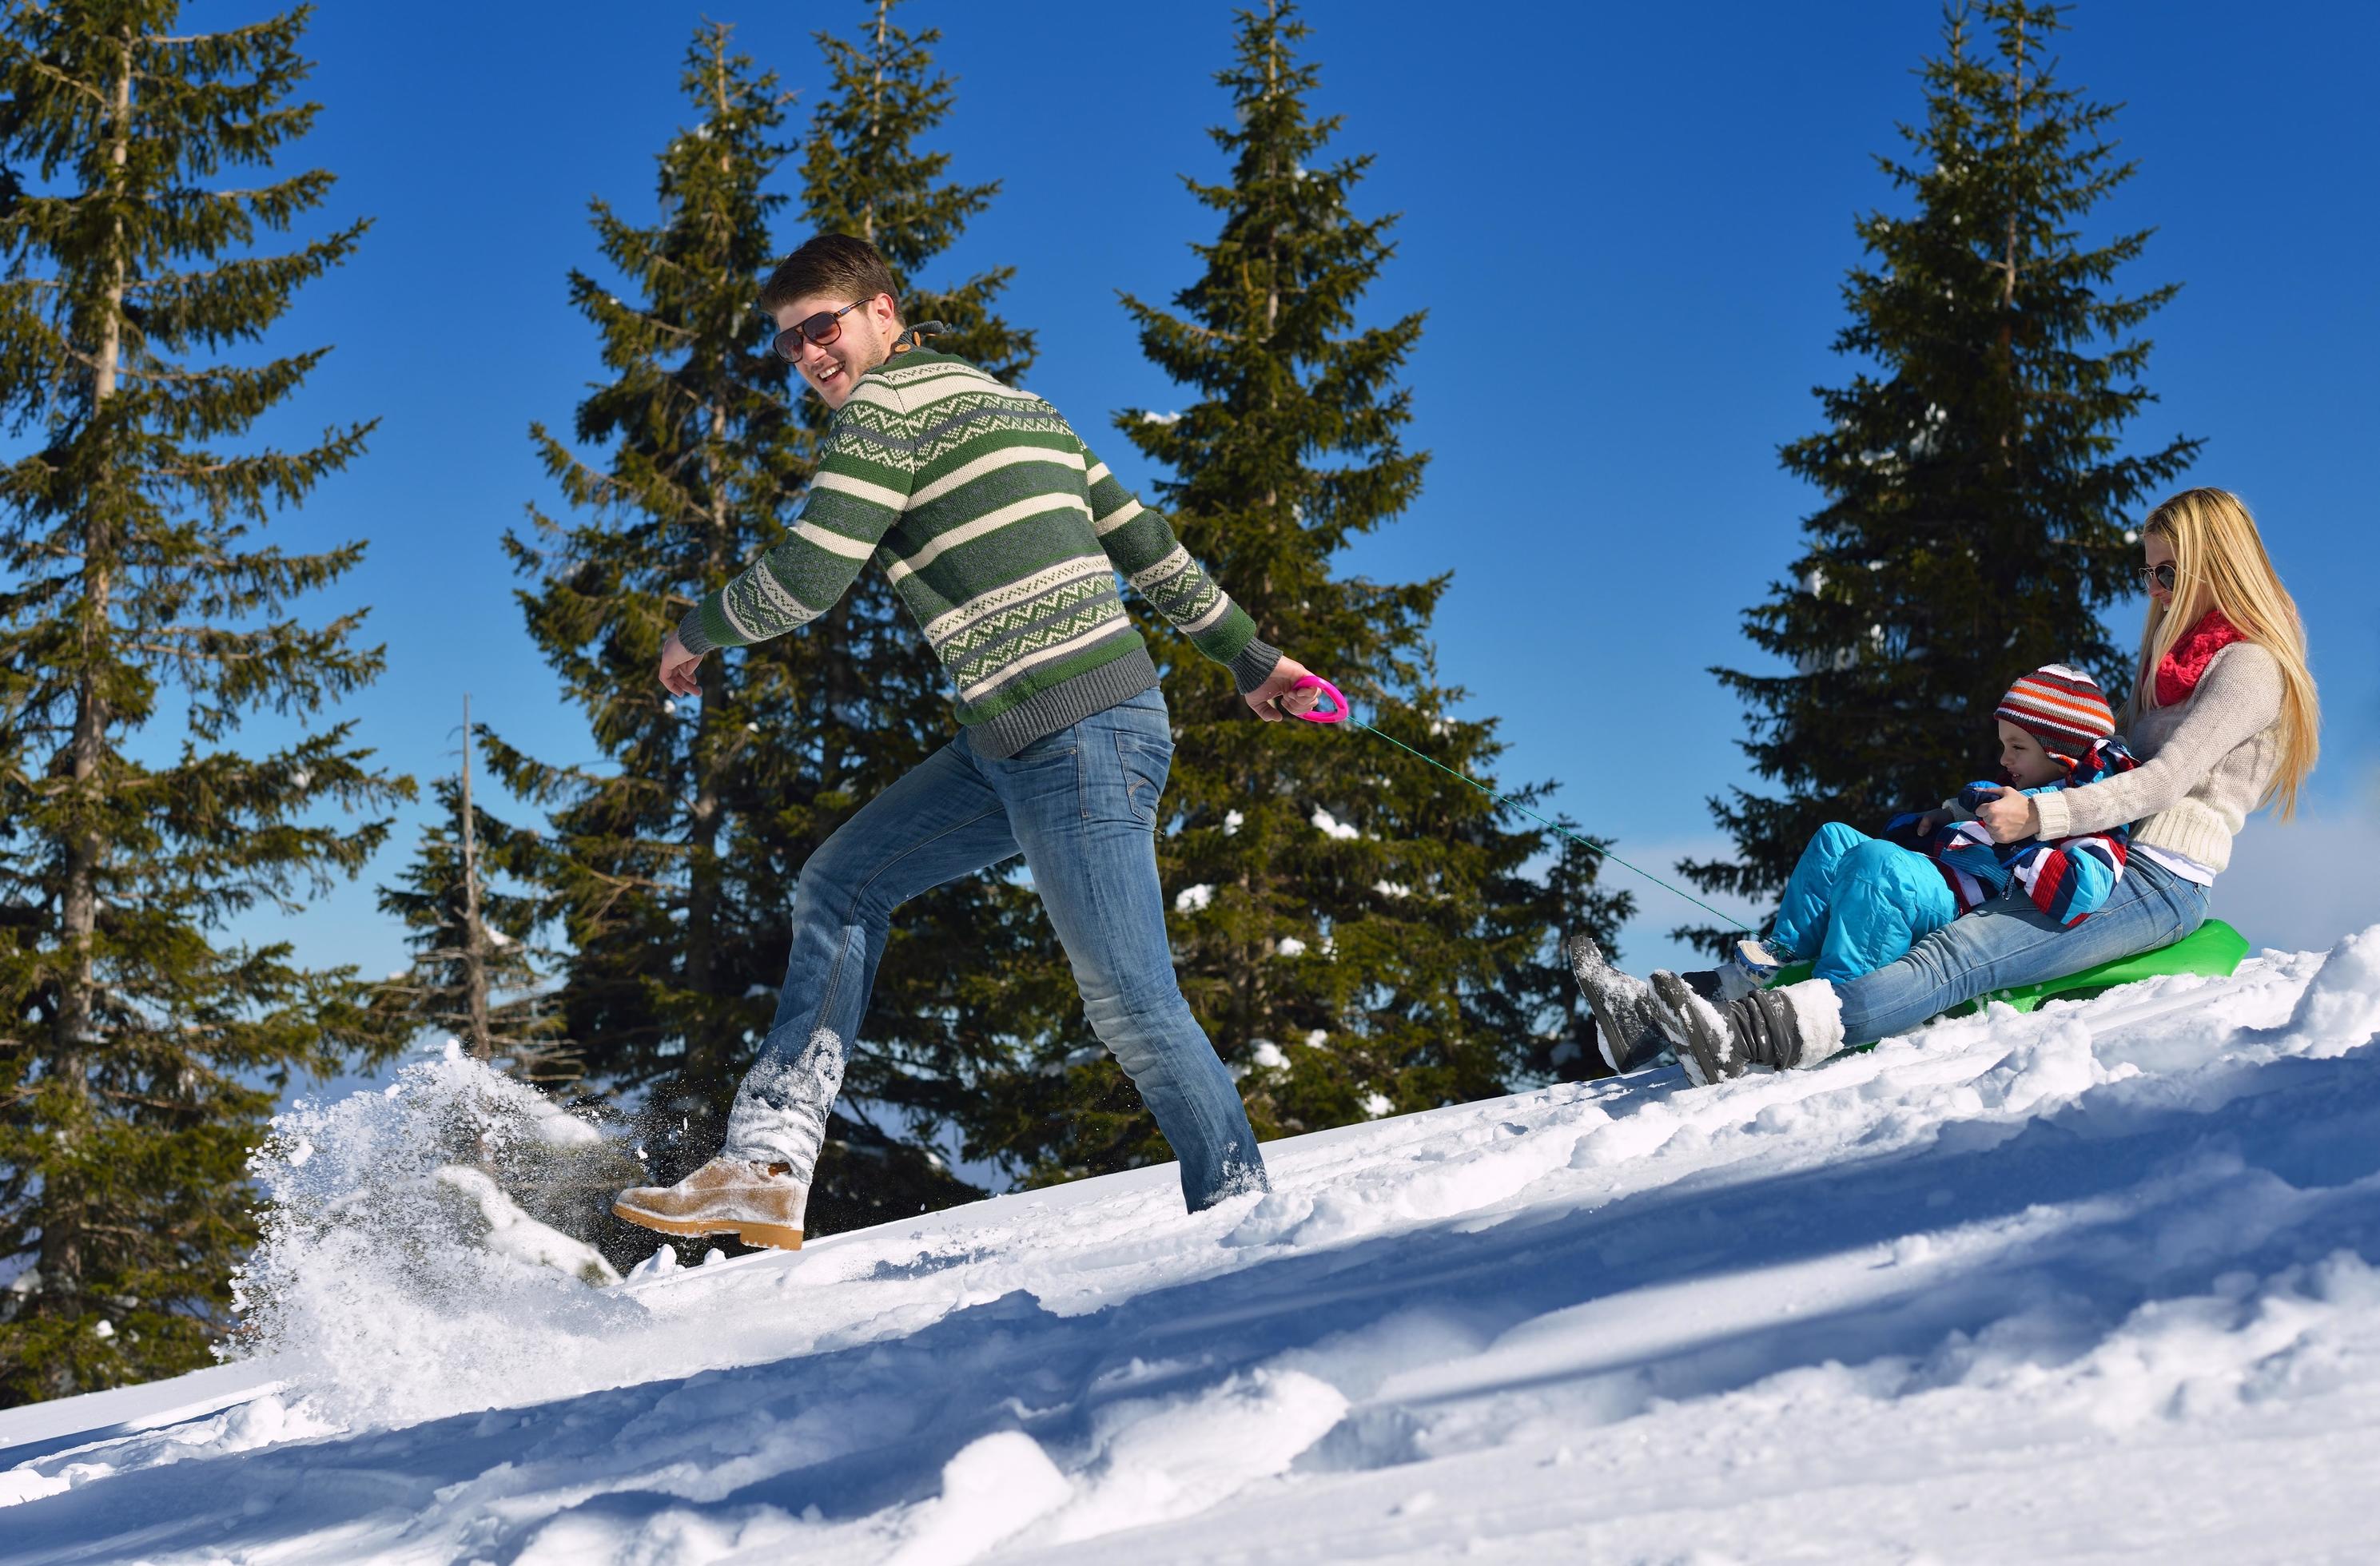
(821, 329)
(2160, 576)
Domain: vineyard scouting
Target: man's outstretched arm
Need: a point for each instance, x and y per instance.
(1141, 543)
(861, 486)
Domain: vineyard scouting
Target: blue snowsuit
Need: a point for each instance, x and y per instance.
(1855, 902)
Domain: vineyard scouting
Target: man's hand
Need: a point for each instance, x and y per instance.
(1277, 698)
(678, 666)
(2010, 817)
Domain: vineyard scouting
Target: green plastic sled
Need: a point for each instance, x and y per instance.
(2212, 948)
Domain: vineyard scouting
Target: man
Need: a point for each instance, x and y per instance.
(1003, 535)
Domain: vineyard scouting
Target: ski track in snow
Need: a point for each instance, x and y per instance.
(2095, 1283)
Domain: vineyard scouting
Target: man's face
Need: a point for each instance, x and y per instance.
(864, 342)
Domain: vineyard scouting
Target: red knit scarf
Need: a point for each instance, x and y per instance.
(2178, 673)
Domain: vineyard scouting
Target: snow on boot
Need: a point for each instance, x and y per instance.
(1631, 1027)
(760, 1204)
(1776, 1029)
(1711, 1051)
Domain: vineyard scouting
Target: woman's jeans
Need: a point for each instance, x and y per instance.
(1856, 903)
(1081, 806)
(2008, 941)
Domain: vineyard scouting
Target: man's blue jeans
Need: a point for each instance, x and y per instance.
(1081, 806)
(2008, 941)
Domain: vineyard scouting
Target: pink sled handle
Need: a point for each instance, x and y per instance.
(1334, 713)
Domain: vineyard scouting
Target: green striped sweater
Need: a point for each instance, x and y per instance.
(1003, 535)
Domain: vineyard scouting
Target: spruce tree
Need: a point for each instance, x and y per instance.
(1975, 488)
(940, 1023)
(1357, 930)
(140, 620)
(673, 867)
(693, 457)
(475, 974)
(864, 173)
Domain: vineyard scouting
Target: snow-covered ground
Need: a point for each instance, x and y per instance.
(2096, 1283)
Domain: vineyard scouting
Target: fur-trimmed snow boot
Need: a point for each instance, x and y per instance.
(1632, 1029)
(1800, 1024)
(760, 1204)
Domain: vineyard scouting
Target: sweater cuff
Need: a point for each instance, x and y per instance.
(2055, 815)
(700, 630)
(1254, 664)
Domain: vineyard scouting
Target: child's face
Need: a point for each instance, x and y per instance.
(2025, 759)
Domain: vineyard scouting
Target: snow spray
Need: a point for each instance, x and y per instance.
(396, 1278)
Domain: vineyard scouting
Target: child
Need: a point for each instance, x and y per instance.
(1855, 902)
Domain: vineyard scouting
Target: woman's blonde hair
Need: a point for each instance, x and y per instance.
(2219, 563)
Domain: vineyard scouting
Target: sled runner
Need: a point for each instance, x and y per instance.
(2212, 948)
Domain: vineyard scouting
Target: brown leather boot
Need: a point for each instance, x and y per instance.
(760, 1204)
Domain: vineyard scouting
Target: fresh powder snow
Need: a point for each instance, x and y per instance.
(2093, 1283)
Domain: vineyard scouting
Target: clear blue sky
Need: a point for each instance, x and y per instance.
(1630, 226)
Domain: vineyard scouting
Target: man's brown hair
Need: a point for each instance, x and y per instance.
(832, 265)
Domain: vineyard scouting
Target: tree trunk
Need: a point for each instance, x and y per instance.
(2007, 256)
(61, 1262)
(875, 96)
(705, 1057)
(475, 935)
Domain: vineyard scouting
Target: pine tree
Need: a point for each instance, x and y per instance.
(939, 1024)
(663, 909)
(863, 173)
(475, 972)
(142, 1049)
(1975, 492)
(674, 874)
(1357, 930)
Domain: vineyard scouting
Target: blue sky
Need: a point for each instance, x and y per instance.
(1630, 226)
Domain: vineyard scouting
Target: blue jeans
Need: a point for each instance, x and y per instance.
(1856, 903)
(2008, 941)
(1081, 806)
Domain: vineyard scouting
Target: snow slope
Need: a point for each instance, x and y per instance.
(2095, 1284)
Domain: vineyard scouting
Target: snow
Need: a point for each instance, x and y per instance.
(1291, 946)
(514, 1233)
(1192, 899)
(1331, 826)
(2095, 1283)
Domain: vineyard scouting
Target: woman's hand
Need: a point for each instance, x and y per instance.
(2010, 817)
(1278, 698)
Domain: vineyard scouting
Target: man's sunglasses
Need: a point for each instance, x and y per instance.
(821, 329)
(2162, 576)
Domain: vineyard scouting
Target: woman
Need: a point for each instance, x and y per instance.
(2224, 719)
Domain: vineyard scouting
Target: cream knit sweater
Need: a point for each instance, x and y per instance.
(2204, 764)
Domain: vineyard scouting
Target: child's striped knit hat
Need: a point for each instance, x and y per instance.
(2062, 708)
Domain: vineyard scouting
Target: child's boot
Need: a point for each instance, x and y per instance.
(1781, 1029)
(1632, 1027)
(1750, 965)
